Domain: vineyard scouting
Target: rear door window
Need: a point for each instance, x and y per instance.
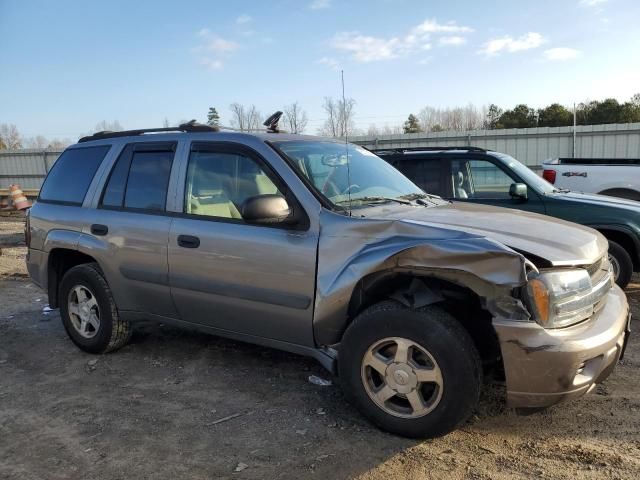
(71, 175)
(140, 178)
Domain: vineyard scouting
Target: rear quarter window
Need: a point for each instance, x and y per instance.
(71, 175)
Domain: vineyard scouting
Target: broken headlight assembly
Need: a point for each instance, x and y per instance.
(560, 298)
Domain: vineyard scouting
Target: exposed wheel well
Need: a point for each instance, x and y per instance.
(626, 242)
(622, 193)
(60, 261)
(459, 301)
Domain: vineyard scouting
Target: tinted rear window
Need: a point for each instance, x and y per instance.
(148, 180)
(70, 177)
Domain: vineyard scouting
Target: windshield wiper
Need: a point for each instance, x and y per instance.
(424, 198)
(374, 199)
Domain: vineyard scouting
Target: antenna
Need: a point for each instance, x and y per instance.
(346, 141)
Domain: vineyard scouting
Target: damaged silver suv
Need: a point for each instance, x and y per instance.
(323, 249)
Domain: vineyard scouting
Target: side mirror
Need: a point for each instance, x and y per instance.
(518, 191)
(266, 209)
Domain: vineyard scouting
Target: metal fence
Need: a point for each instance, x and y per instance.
(26, 167)
(531, 146)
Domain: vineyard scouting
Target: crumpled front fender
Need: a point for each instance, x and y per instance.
(350, 250)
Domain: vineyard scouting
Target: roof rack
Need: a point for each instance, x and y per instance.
(191, 126)
(428, 149)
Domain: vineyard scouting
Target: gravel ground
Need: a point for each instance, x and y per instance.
(154, 410)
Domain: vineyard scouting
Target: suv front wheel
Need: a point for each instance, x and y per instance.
(415, 373)
(89, 313)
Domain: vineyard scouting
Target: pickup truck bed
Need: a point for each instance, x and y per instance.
(619, 177)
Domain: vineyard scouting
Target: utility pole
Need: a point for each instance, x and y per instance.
(574, 130)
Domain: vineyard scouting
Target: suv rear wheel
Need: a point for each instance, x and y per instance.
(89, 312)
(415, 373)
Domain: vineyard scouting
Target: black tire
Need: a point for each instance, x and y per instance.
(113, 332)
(624, 268)
(443, 337)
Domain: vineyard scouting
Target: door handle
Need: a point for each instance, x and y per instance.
(99, 230)
(188, 241)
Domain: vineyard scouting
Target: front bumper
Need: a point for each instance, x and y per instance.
(544, 367)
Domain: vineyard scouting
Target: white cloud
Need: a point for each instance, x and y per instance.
(243, 19)
(330, 62)
(509, 44)
(453, 40)
(592, 3)
(213, 49)
(211, 64)
(220, 45)
(561, 54)
(432, 26)
(366, 48)
(319, 4)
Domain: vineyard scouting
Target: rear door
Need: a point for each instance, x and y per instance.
(131, 223)
(480, 180)
(254, 280)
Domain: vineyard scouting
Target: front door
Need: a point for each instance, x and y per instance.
(486, 182)
(255, 280)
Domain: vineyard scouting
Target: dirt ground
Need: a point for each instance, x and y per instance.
(153, 410)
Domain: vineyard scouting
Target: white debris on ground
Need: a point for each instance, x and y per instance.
(319, 381)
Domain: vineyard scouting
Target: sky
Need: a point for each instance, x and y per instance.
(67, 65)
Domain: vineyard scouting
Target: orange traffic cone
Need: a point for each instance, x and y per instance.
(20, 202)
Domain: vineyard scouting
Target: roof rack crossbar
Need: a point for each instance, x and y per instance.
(429, 149)
(191, 126)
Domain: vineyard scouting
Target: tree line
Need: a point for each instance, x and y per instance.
(493, 117)
(340, 120)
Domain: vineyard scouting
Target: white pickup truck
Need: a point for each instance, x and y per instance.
(619, 177)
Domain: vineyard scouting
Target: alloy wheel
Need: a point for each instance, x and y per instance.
(402, 377)
(84, 311)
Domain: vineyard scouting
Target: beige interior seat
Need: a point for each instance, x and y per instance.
(210, 199)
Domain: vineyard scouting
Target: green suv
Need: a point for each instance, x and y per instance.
(471, 174)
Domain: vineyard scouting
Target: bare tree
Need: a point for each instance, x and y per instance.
(9, 136)
(237, 116)
(456, 118)
(59, 144)
(39, 141)
(105, 126)
(244, 118)
(165, 123)
(295, 118)
(340, 117)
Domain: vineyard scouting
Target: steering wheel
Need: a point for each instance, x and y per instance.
(348, 190)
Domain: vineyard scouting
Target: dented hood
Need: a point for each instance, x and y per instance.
(559, 242)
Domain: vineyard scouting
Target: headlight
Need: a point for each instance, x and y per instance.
(561, 298)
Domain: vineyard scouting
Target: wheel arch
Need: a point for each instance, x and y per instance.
(60, 261)
(625, 239)
(466, 303)
(621, 192)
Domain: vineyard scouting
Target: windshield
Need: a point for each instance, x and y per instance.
(531, 178)
(347, 174)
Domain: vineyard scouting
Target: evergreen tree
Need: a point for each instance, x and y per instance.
(213, 118)
(412, 125)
